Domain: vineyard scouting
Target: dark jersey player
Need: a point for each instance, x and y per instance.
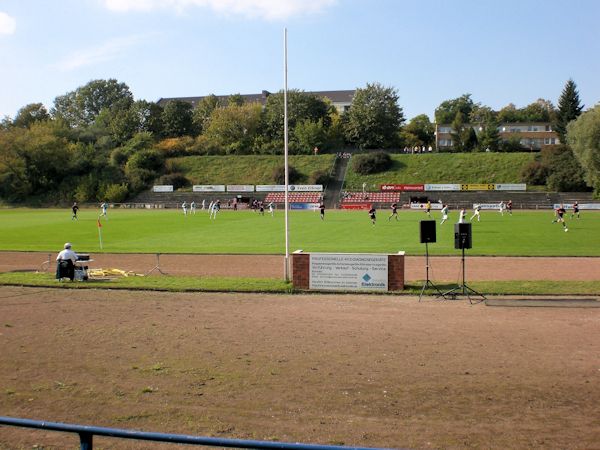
(394, 211)
(74, 208)
(560, 212)
(372, 215)
(575, 210)
(322, 208)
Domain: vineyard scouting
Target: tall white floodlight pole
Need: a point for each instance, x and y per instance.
(285, 152)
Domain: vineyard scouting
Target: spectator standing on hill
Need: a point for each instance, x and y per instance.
(74, 208)
(476, 213)
(444, 214)
(394, 211)
(372, 213)
(575, 210)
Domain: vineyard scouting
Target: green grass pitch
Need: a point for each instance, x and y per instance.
(525, 233)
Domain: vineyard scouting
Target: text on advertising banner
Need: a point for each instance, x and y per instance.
(348, 271)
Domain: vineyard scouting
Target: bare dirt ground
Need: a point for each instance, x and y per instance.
(444, 268)
(354, 370)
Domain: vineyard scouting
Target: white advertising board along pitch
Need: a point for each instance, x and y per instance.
(348, 271)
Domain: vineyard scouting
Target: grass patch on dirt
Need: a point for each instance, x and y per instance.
(158, 283)
(269, 285)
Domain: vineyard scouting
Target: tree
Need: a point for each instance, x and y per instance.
(235, 99)
(177, 119)
(446, 112)
(234, 127)
(569, 108)
(301, 107)
(489, 137)
(374, 118)
(80, 108)
(419, 131)
(509, 114)
(29, 114)
(464, 138)
(308, 135)
(203, 112)
(583, 135)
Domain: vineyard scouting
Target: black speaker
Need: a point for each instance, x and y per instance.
(427, 231)
(462, 235)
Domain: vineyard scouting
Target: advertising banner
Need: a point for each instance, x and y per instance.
(240, 188)
(511, 187)
(477, 187)
(581, 206)
(488, 205)
(208, 188)
(442, 187)
(360, 205)
(162, 188)
(402, 187)
(305, 188)
(304, 206)
(422, 205)
(348, 271)
(270, 188)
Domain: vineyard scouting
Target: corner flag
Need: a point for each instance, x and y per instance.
(100, 232)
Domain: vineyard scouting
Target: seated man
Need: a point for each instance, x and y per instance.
(65, 263)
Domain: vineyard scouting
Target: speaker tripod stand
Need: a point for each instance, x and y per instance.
(428, 283)
(464, 289)
(156, 267)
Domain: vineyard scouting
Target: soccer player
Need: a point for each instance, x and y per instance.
(322, 208)
(509, 207)
(575, 210)
(270, 205)
(462, 216)
(476, 211)
(560, 212)
(210, 205)
(216, 207)
(261, 208)
(193, 207)
(372, 215)
(203, 204)
(501, 208)
(104, 207)
(444, 214)
(428, 208)
(74, 208)
(184, 207)
(394, 211)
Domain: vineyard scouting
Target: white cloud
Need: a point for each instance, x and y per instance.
(112, 49)
(8, 24)
(264, 9)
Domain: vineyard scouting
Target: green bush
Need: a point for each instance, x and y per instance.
(279, 175)
(320, 177)
(177, 180)
(368, 163)
(115, 193)
(534, 172)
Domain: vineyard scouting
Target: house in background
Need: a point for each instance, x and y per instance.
(532, 136)
(341, 100)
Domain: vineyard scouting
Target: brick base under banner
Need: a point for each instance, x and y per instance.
(301, 271)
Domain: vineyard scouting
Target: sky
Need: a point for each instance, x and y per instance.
(514, 51)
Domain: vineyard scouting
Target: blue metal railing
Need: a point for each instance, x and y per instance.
(86, 434)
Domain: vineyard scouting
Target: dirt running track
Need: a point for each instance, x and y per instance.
(353, 370)
(444, 268)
